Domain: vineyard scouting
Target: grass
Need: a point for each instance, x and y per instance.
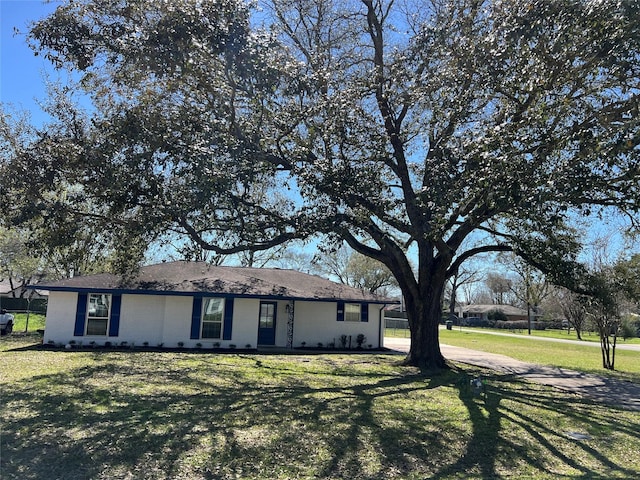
(36, 322)
(583, 358)
(168, 415)
(559, 334)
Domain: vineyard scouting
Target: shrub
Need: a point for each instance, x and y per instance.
(513, 325)
(497, 314)
(479, 322)
(627, 329)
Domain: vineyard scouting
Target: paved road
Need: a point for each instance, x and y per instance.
(620, 345)
(603, 389)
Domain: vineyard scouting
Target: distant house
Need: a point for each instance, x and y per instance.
(8, 291)
(192, 303)
(483, 311)
(17, 298)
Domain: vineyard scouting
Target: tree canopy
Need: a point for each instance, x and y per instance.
(420, 133)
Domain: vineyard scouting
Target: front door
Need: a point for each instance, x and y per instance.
(267, 324)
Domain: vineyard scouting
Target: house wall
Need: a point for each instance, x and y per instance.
(245, 322)
(176, 321)
(317, 322)
(142, 319)
(166, 320)
(61, 313)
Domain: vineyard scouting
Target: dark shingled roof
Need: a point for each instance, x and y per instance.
(197, 277)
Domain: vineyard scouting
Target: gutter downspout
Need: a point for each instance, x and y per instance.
(380, 326)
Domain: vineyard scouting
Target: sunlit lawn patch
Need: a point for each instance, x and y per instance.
(169, 415)
(32, 322)
(584, 358)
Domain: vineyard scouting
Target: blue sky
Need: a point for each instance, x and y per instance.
(22, 74)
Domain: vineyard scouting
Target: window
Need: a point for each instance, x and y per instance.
(98, 311)
(212, 315)
(352, 312)
(267, 315)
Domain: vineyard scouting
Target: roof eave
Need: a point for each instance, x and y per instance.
(174, 293)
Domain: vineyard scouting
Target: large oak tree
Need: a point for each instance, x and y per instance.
(421, 133)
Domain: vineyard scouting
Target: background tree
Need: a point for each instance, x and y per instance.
(609, 296)
(573, 308)
(370, 275)
(460, 128)
(500, 286)
(603, 309)
(628, 273)
(464, 276)
(356, 270)
(530, 286)
(16, 264)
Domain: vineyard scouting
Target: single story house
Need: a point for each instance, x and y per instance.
(195, 304)
(482, 311)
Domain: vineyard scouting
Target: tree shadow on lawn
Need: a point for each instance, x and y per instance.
(250, 416)
(547, 421)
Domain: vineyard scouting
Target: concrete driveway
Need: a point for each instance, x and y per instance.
(602, 389)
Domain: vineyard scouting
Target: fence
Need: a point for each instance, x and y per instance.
(37, 305)
(396, 327)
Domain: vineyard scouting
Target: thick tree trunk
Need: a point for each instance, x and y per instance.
(424, 313)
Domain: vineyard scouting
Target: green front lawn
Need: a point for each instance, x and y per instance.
(36, 322)
(196, 415)
(583, 358)
(554, 333)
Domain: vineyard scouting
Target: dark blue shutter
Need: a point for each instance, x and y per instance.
(340, 317)
(364, 312)
(114, 322)
(81, 315)
(196, 316)
(228, 319)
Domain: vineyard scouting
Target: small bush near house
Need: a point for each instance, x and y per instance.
(497, 315)
(479, 322)
(513, 325)
(628, 329)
